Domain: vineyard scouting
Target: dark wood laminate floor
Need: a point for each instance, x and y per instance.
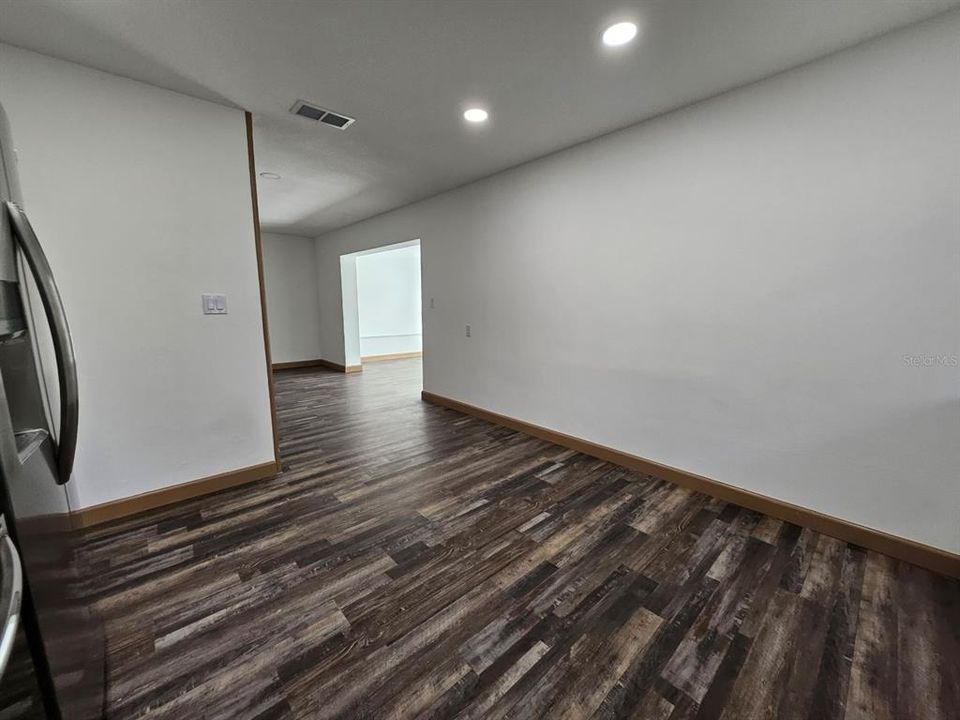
(412, 562)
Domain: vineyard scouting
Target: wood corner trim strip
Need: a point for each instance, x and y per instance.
(391, 356)
(125, 507)
(258, 244)
(897, 547)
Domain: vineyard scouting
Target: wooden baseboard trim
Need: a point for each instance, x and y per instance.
(336, 367)
(298, 364)
(125, 507)
(901, 548)
(391, 356)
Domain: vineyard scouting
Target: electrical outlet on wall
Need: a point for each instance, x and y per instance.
(214, 304)
(468, 331)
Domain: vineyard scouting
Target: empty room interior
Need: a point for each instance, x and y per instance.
(480, 359)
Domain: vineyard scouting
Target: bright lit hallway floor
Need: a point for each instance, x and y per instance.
(413, 562)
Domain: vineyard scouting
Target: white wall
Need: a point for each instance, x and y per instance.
(730, 289)
(141, 198)
(388, 301)
(350, 311)
(290, 281)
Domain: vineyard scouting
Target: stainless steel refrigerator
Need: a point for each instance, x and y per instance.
(52, 646)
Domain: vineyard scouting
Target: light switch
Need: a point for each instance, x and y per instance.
(214, 304)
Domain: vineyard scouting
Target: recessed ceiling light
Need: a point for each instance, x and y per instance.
(475, 115)
(619, 34)
(269, 176)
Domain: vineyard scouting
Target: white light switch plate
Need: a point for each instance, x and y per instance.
(214, 304)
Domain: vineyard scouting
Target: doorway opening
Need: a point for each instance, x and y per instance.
(382, 304)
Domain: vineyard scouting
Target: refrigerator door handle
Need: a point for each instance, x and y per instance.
(62, 342)
(12, 592)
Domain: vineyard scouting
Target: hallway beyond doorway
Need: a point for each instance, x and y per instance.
(381, 303)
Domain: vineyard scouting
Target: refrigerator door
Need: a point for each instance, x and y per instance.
(64, 637)
(62, 342)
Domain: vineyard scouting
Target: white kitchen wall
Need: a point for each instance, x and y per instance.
(290, 281)
(141, 198)
(763, 288)
(388, 301)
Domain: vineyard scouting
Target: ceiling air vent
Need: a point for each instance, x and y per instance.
(312, 112)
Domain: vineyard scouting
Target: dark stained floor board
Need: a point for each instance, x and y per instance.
(412, 562)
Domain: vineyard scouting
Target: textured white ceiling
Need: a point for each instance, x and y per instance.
(406, 68)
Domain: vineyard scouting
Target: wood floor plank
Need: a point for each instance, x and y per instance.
(412, 562)
(833, 674)
(873, 679)
(762, 680)
(598, 665)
